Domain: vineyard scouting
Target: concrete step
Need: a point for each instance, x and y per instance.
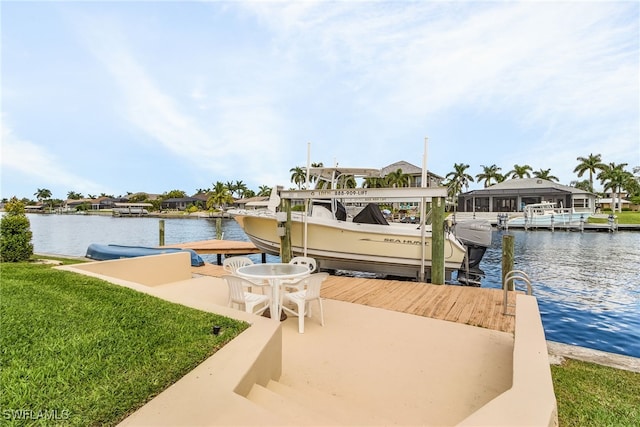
(291, 411)
(344, 411)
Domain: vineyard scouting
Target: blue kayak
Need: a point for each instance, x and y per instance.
(100, 252)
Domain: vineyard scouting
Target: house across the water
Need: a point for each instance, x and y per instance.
(513, 195)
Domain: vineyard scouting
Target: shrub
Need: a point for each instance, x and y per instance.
(15, 233)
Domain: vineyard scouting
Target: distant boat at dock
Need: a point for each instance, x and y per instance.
(547, 214)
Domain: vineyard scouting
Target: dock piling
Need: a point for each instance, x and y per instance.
(218, 228)
(437, 239)
(507, 259)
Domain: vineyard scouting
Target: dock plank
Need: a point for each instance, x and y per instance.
(220, 247)
(472, 306)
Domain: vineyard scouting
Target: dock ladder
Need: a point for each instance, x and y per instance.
(516, 277)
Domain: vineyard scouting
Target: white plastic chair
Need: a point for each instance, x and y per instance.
(243, 299)
(294, 284)
(302, 299)
(231, 264)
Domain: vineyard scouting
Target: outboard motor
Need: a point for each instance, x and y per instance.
(474, 275)
(476, 236)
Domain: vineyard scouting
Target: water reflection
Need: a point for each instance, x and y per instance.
(587, 284)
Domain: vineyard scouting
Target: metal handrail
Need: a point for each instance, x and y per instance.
(515, 276)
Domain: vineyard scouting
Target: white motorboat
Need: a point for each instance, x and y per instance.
(365, 241)
(547, 214)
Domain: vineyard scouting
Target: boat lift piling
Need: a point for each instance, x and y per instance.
(437, 238)
(285, 233)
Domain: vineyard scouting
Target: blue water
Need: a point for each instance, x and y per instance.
(587, 284)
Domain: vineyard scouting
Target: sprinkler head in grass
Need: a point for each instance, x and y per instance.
(216, 330)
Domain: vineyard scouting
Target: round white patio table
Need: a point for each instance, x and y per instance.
(274, 273)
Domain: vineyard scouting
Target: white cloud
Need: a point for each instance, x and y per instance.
(238, 130)
(414, 59)
(24, 157)
(564, 74)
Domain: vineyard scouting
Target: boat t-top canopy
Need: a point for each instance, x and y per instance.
(331, 174)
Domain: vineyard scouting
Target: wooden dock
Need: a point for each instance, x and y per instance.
(221, 247)
(480, 307)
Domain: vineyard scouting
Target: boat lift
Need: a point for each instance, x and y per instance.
(434, 195)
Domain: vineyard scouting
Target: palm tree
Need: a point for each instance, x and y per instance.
(231, 187)
(264, 191)
(72, 195)
(220, 196)
(43, 194)
(545, 174)
(488, 173)
(613, 177)
(582, 185)
(347, 181)
(373, 182)
(591, 164)
(520, 171)
(459, 178)
(398, 179)
(632, 184)
(298, 176)
(241, 188)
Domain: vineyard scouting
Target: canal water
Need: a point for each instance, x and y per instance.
(587, 284)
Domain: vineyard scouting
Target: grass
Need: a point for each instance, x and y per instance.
(76, 350)
(595, 395)
(626, 217)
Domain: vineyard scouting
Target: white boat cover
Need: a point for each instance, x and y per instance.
(474, 231)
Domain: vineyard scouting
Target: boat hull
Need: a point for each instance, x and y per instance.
(389, 249)
(549, 220)
(547, 214)
(100, 252)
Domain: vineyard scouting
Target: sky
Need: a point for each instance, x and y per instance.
(121, 97)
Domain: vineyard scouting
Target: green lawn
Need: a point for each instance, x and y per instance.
(594, 395)
(626, 217)
(75, 350)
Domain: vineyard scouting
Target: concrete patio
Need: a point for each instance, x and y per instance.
(366, 366)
